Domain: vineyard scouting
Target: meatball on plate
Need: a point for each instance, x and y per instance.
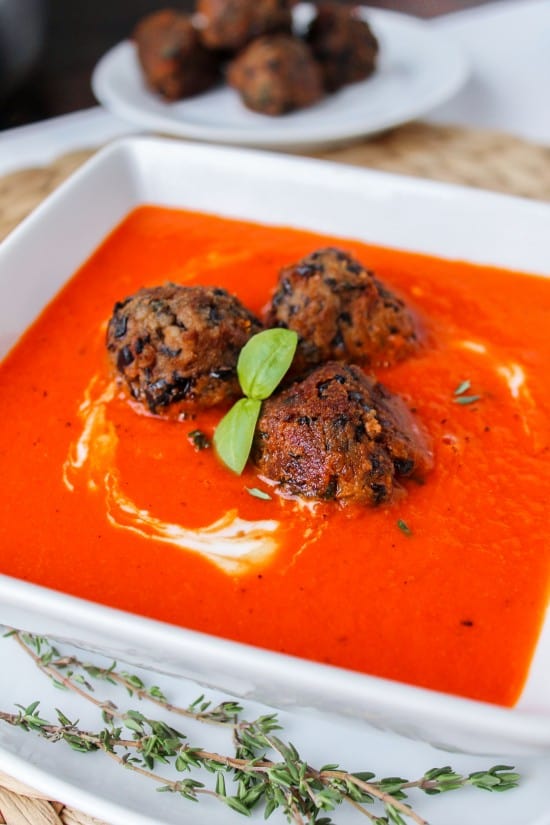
(343, 43)
(231, 24)
(175, 348)
(276, 74)
(174, 61)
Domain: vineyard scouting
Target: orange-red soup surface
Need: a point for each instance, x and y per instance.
(455, 606)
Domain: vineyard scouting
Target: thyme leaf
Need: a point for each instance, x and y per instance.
(257, 493)
(463, 387)
(404, 527)
(460, 398)
(467, 399)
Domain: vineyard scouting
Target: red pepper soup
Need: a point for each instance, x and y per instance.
(446, 587)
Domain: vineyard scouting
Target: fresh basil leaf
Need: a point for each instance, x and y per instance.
(257, 493)
(235, 432)
(264, 360)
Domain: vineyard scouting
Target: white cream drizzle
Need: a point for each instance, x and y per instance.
(234, 544)
(514, 375)
(96, 445)
(474, 346)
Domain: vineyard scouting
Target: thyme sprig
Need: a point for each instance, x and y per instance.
(264, 770)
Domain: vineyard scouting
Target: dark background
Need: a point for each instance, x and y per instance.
(76, 34)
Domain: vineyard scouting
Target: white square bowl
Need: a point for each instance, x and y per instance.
(449, 221)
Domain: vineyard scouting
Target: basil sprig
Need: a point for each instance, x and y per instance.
(263, 362)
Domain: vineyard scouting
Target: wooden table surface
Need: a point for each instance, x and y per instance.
(78, 33)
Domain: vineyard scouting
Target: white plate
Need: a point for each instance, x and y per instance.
(418, 69)
(92, 784)
(455, 222)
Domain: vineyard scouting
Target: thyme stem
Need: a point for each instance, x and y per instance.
(362, 810)
(55, 674)
(387, 798)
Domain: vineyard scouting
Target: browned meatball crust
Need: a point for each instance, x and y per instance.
(340, 312)
(344, 45)
(339, 434)
(231, 24)
(276, 74)
(175, 348)
(174, 61)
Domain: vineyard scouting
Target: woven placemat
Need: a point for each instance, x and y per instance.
(20, 805)
(476, 158)
(488, 160)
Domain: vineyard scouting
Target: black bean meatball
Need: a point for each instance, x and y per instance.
(341, 435)
(231, 24)
(343, 44)
(276, 74)
(174, 61)
(175, 348)
(340, 312)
